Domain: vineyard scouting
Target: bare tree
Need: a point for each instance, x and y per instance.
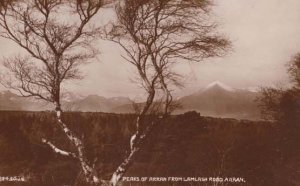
(282, 104)
(57, 37)
(294, 70)
(156, 35)
(148, 80)
(269, 103)
(168, 31)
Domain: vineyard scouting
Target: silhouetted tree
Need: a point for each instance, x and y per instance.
(57, 37)
(294, 70)
(157, 34)
(283, 104)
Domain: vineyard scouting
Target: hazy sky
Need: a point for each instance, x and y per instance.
(264, 33)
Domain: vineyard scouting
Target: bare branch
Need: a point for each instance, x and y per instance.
(57, 46)
(57, 150)
(166, 31)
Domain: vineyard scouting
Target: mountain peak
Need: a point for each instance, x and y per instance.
(218, 84)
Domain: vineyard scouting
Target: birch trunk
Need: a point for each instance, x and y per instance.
(168, 98)
(135, 148)
(135, 142)
(159, 70)
(88, 171)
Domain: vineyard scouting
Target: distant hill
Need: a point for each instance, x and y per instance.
(216, 99)
(95, 103)
(9, 101)
(70, 102)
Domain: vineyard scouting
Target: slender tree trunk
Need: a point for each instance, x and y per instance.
(88, 171)
(135, 142)
(168, 96)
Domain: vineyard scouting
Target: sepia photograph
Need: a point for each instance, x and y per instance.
(149, 93)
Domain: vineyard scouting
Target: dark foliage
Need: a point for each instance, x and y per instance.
(184, 145)
(283, 105)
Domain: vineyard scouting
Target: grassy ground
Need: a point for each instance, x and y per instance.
(184, 146)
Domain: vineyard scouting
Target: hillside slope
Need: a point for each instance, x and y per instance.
(216, 99)
(220, 100)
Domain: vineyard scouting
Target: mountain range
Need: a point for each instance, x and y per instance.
(216, 99)
(220, 100)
